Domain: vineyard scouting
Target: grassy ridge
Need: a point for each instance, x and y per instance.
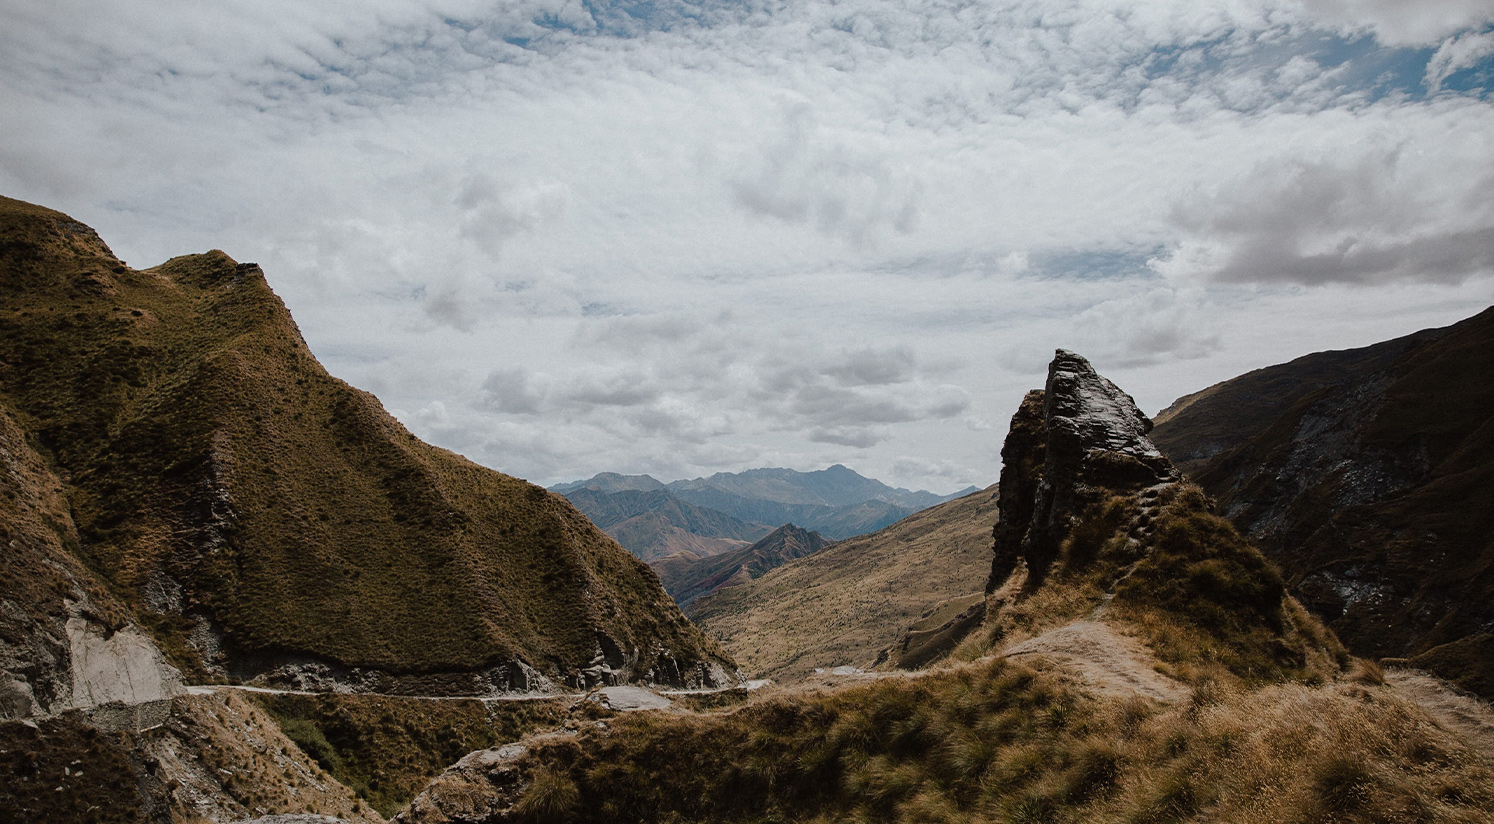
(216, 472)
(1000, 742)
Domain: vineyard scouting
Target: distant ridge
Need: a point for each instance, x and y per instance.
(687, 577)
(837, 502)
(653, 523)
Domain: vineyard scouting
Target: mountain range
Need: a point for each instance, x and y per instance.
(727, 510)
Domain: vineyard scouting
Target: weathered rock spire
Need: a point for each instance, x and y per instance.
(1071, 443)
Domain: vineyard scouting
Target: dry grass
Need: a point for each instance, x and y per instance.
(1001, 742)
(387, 748)
(848, 602)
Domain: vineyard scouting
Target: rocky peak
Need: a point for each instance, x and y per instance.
(1070, 445)
(1085, 411)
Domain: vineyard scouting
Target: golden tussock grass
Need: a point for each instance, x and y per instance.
(1001, 742)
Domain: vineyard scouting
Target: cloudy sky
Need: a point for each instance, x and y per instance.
(686, 236)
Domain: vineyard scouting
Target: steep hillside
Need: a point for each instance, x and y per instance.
(269, 522)
(653, 524)
(1369, 477)
(688, 577)
(846, 603)
(1199, 426)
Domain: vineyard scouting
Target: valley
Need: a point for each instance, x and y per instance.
(234, 588)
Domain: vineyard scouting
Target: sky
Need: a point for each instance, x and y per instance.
(679, 237)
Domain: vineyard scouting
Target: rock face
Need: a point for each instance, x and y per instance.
(1072, 443)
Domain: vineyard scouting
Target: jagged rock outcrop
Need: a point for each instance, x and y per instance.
(1077, 440)
(1106, 527)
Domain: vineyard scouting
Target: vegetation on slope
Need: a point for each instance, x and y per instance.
(1373, 491)
(849, 601)
(254, 510)
(996, 741)
(387, 748)
(216, 758)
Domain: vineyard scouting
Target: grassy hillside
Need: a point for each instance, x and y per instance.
(848, 602)
(258, 513)
(992, 741)
(1373, 492)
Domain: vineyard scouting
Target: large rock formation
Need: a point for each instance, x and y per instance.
(1073, 443)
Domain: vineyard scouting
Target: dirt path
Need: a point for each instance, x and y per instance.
(1463, 715)
(1103, 659)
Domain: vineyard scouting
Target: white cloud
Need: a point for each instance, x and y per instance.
(1383, 213)
(1398, 22)
(683, 237)
(1457, 53)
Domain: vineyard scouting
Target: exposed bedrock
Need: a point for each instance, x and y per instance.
(1072, 443)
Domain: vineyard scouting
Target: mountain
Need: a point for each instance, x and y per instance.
(653, 524)
(707, 516)
(180, 464)
(836, 486)
(846, 603)
(1368, 475)
(1138, 661)
(610, 482)
(688, 577)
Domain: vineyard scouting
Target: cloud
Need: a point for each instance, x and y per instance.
(1456, 54)
(1401, 23)
(856, 438)
(514, 391)
(1389, 214)
(802, 177)
(680, 237)
(493, 211)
